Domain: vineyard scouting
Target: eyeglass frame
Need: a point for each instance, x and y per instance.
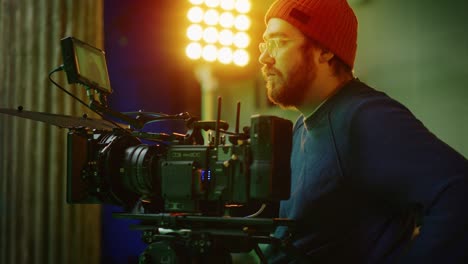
(271, 46)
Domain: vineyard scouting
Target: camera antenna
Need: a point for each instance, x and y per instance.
(218, 119)
(237, 117)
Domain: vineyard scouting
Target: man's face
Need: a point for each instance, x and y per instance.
(289, 69)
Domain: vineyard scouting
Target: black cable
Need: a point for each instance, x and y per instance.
(260, 255)
(61, 68)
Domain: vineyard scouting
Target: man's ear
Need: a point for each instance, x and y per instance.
(325, 56)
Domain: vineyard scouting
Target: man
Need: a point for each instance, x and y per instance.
(370, 184)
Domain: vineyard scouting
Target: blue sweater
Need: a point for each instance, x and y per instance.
(365, 172)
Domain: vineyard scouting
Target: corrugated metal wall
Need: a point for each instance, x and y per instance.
(36, 224)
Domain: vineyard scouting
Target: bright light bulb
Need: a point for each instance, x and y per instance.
(241, 57)
(196, 2)
(243, 6)
(226, 37)
(226, 19)
(194, 51)
(242, 22)
(228, 4)
(211, 17)
(195, 14)
(210, 53)
(241, 40)
(210, 35)
(212, 3)
(195, 32)
(225, 55)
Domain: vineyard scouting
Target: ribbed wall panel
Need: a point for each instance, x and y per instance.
(36, 224)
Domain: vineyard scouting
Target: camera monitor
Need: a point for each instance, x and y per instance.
(85, 64)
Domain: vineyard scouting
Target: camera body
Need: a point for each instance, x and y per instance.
(114, 167)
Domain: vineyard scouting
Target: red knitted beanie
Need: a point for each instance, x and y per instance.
(331, 23)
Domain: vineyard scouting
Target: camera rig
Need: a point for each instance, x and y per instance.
(184, 191)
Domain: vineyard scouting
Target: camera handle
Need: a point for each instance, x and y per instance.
(94, 105)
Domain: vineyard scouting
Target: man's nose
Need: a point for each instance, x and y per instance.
(265, 58)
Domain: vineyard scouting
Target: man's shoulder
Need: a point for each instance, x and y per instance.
(356, 96)
(348, 102)
(355, 93)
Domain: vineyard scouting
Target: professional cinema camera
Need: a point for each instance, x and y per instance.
(171, 173)
(186, 192)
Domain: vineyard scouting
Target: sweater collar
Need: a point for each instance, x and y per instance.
(326, 105)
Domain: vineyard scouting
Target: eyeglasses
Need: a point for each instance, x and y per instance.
(271, 46)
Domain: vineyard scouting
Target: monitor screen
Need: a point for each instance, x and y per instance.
(85, 64)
